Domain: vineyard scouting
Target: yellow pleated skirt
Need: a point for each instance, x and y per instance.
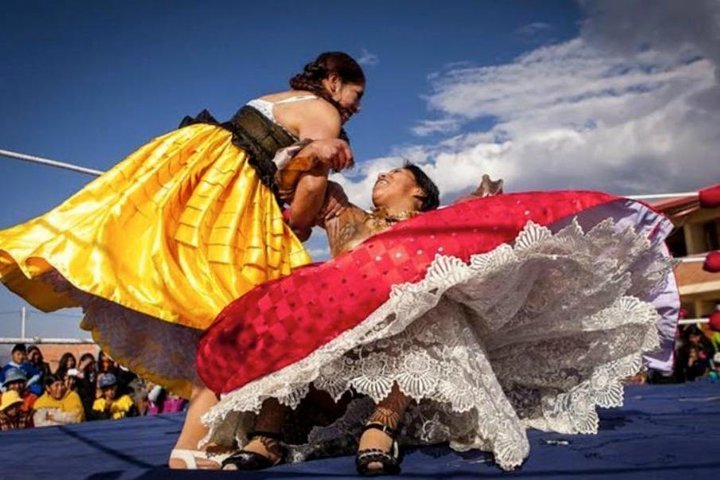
(174, 232)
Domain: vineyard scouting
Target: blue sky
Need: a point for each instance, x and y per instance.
(511, 88)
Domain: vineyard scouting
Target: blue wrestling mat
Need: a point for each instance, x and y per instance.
(663, 431)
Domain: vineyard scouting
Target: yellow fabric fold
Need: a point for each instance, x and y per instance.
(175, 231)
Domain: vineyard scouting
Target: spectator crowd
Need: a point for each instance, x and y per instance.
(32, 395)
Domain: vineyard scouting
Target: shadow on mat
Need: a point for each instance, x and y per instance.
(105, 449)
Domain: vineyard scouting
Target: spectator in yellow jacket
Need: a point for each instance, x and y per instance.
(108, 405)
(57, 406)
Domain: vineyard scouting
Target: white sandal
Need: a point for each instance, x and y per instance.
(190, 458)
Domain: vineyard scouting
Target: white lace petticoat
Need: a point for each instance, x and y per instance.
(537, 334)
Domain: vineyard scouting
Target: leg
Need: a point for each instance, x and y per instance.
(270, 419)
(201, 400)
(309, 198)
(389, 412)
(264, 448)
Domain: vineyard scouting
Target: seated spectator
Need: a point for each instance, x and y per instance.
(693, 356)
(142, 402)
(67, 361)
(109, 405)
(15, 380)
(86, 382)
(697, 364)
(71, 379)
(106, 364)
(35, 357)
(156, 397)
(11, 415)
(58, 406)
(715, 368)
(162, 401)
(19, 360)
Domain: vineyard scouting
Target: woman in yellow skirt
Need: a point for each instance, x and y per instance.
(153, 249)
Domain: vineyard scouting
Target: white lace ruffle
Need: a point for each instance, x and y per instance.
(533, 335)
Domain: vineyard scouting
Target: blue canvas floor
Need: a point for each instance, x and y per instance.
(663, 431)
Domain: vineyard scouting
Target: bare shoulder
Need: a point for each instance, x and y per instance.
(312, 118)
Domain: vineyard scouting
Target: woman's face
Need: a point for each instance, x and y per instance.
(349, 96)
(89, 365)
(105, 363)
(35, 356)
(394, 186)
(70, 362)
(70, 382)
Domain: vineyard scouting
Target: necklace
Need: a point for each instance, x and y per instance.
(380, 219)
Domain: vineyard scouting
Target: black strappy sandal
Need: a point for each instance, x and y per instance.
(245, 460)
(390, 460)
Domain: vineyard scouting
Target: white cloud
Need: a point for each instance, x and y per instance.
(368, 59)
(533, 29)
(580, 114)
(444, 125)
(319, 253)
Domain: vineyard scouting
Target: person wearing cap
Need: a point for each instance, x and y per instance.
(19, 360)
(11, 415)
(71, 377)
(16, 380)
(109, 405)
(58, 405)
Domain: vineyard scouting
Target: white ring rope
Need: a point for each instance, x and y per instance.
(51, 163)
(89, 171)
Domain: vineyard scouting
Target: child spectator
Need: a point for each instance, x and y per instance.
(58, 406)
(19, 360)
(71, 379)
(15, 380)
(109, 405)
(11, 415)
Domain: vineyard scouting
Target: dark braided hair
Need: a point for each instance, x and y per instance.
(339, 63)
(431, 200)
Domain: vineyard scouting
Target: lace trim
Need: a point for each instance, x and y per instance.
(479, 360)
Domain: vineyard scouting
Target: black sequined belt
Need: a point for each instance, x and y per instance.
(257, 135)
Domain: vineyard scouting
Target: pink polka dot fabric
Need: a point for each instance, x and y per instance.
(281, 322)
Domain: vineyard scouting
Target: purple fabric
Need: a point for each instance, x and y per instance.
(656, 227)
